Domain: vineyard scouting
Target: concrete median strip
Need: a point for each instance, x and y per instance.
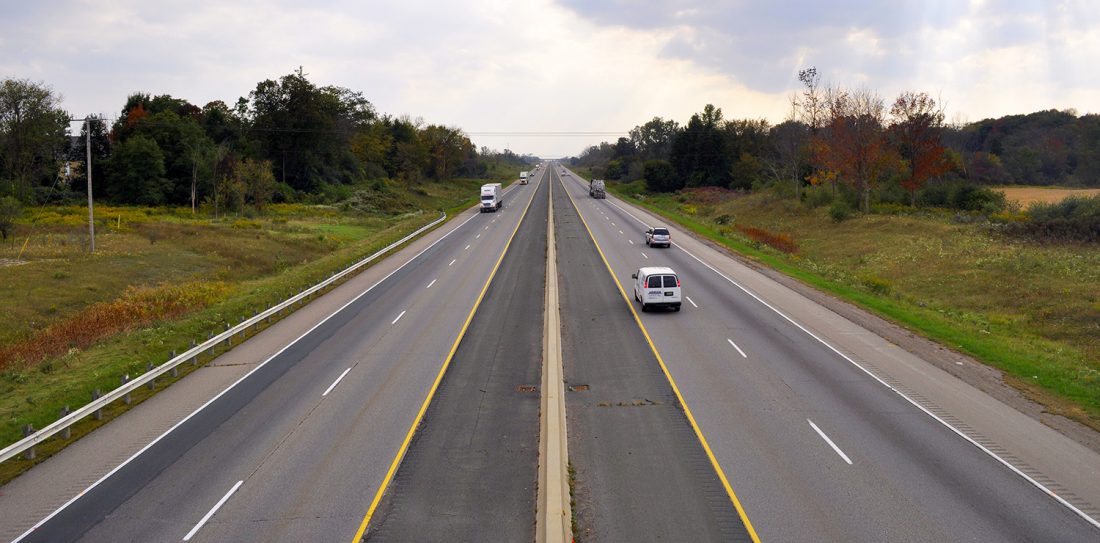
(553, 523)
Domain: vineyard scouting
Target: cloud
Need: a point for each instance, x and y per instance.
(546, 67)
(993, 57)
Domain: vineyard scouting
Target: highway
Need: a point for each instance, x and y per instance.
(296, 450)
(411, 413)
(815, 448)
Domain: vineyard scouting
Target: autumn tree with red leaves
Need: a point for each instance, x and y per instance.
(916, 128)
(852, 146)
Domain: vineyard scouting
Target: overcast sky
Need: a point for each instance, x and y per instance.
(573, 72)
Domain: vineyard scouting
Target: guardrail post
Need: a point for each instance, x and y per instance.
(152, 382)
(98, 415)
(122, 382)
(66, 432)
(194, 359)
(175, 369)
(27, 431)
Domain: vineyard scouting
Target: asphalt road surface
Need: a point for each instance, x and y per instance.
(641, 473)
(471, 471)
(297, 449)
(814, 447)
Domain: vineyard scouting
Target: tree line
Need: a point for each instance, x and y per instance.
(856, 145)
(288, 140)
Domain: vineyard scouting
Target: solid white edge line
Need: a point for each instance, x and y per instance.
(735, 346)
(235, 383)
(690, 301)
(211, 512)
(430, 284)
(949, 426)
(830, 442)
(334, 383)
(398, 318)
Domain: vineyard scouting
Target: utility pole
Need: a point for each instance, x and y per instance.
(91, 215)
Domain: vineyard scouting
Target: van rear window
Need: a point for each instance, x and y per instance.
(660, 231)
(670, 280)
(654, 281)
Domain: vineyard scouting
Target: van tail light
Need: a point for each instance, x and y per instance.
(677, 282)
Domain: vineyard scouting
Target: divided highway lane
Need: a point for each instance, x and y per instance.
(470, 473)
(297, 449)
(815, 448)
(641, 472)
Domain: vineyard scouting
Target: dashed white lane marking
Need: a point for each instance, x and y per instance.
(477, 236)
(644, 255)
(829, 441)
(334, 383)
(631, 241)
(211, 512)
(467, 247)
(620, 231)
(453, 262)
(690, 301)
(398, 318)
(430, 284)
(736, 347)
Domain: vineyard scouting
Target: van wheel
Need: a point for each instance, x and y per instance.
(645, 308)
(677, 308)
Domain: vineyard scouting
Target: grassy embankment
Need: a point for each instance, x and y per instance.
(1029, 309)
(160, 278)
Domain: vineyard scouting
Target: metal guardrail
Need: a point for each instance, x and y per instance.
(123, 391)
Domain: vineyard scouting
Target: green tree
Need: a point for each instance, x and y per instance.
(255, 179)
(33, 136)
(660, 176)
(654, 138)
(10, 209)
(136, 173)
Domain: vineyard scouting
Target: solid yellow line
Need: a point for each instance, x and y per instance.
(671, 381)
(435, 385)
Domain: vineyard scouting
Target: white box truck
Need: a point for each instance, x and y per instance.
(523, 178)
(491, 197)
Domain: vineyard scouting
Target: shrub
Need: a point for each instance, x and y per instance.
(782, 242)
(1072, 219)
(876, 284)
(840, 211)
(818, 195)
(660, 176)
(962, 197)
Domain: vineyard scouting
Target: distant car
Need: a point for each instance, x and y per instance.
(658, 237)
(657, 287)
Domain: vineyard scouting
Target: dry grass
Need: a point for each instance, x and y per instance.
(1025, 196)
(138, 306)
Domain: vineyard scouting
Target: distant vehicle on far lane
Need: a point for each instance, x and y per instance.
(596, 189)
(491, 197)
(658, 237)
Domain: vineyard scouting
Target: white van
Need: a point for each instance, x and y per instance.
(657, 287)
